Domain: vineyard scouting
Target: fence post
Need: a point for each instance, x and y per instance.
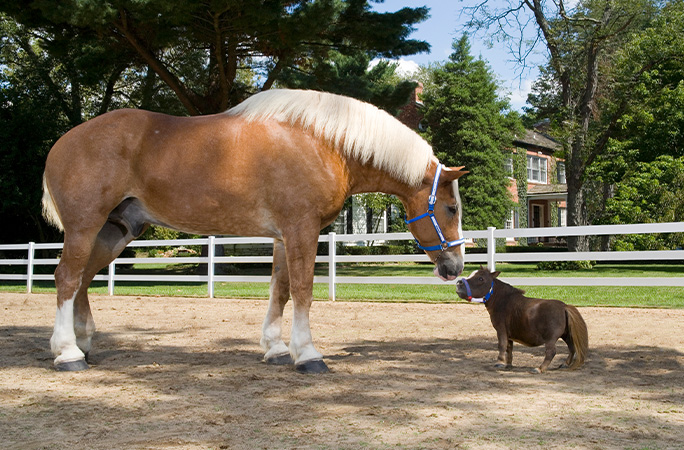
(29, 268)
(210, 266)
(332, 262)
(110, 277)
(491, 249)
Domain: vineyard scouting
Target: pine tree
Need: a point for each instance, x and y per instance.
(469, 124)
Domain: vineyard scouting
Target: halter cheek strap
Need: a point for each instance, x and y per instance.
(470, 294)
(432, 199)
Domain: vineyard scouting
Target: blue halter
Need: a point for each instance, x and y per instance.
(470, 294)
(432, 199)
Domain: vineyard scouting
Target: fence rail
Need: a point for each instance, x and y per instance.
(332, 259)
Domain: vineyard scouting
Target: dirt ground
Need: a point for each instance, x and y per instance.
(173, 373)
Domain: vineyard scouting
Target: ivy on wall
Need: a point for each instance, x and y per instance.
(520, 174)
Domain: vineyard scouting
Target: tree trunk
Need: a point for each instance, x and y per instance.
(577, 211)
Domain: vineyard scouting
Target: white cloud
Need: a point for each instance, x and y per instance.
(519, 92)
(405, 67)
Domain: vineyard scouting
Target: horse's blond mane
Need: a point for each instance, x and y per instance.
(359, 130)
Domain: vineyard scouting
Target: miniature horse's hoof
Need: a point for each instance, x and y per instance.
(313, 366)
(280, 360)
(72, 366)
(536, 371)
(501, 366)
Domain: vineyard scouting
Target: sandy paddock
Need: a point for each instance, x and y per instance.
(174, 373)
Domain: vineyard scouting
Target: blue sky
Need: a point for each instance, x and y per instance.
(445, 24)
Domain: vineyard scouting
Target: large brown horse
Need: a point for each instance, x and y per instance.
(280, 165)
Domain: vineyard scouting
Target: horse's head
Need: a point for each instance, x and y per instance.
(435, 211)
(478, 285)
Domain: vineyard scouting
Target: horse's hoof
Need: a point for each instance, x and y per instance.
(500, 366)
(72, 366)
(536, 371)
(280, 360)
(313, 366)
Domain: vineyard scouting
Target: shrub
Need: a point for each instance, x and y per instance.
(566, 265)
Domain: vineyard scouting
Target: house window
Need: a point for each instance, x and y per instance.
(562, 217)
(510, 222)
(561, 172)
(508, 167)
(536, 169)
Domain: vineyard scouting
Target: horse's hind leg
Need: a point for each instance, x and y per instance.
(571, 351)
(548, 357)
(74, 325)
(271, 337)
(111, 241)
(69, 275)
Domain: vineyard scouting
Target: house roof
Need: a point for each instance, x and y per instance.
(537, 139)
(548, 191)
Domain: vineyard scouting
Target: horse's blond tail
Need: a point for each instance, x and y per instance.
(50, 212)
(579, 335)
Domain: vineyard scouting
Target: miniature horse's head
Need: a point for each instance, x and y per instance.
(435, 211)
(477, 285)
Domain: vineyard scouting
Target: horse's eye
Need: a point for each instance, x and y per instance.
(480, 279)
(452, 210)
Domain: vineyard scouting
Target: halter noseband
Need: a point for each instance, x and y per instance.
(432, 199)
(470, 296)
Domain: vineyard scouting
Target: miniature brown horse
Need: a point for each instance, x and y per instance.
(528, 321)
(280, 164)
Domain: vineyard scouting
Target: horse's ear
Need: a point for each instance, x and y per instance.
(482, 267)
(450, 174)
(496, 274)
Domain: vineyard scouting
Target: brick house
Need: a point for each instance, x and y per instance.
(546, 188)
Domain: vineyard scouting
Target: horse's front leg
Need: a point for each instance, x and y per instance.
(505, 358)
(271, 336)
(301, 258)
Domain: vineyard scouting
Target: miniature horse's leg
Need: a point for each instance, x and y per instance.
(549, 355)
(571, 351)
(300, 247)
(271, 336)
(505, 358)
(509, 354)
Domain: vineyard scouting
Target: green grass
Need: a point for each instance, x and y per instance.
(619, 296)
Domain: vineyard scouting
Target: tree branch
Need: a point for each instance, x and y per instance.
(189, 99)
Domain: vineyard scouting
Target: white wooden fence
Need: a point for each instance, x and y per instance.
(490, 258)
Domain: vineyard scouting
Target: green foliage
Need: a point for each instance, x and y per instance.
(649, 192)
(468, 124)
(201, 50)
(520, 175)
(350, 75)
(565, 265)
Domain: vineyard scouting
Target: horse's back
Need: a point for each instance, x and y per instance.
(197, 174)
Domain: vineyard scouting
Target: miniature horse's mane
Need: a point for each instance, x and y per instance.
(357, 129)
(506, 289)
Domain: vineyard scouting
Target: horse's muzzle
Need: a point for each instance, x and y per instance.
(448, 266)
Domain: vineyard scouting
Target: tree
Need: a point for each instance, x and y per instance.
(468, 124)
(351, 75)
(649, 192)
(583, 93)
(199, 48)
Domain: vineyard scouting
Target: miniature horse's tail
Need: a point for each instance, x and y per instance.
(578, 334)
